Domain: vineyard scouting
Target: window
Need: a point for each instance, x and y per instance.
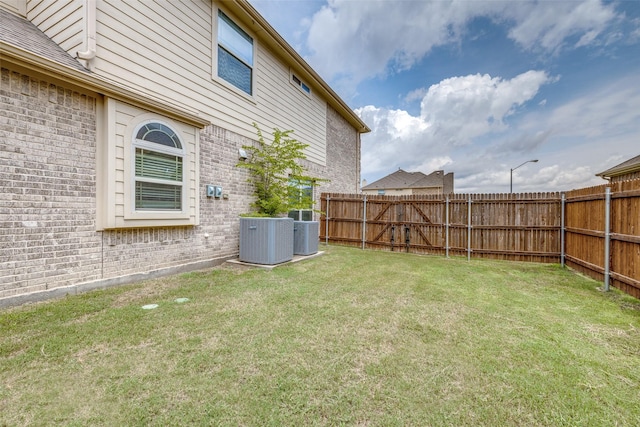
(301, 197)
(158, 178)
(235, 54)
(300, 84)
(147, 172)
(301, 215)
(381, 192)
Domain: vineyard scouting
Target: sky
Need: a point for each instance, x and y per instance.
(478, 87)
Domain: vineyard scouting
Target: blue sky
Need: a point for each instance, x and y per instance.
(479, 87)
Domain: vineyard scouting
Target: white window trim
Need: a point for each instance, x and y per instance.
(214, 56)
(300, 211)
(299, 85)
(130, 212)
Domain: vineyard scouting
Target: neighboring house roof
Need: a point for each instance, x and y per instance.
(434, 179)
(403, 179)
(631, 165)
(22, 33)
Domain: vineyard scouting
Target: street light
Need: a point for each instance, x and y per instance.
(511, 182)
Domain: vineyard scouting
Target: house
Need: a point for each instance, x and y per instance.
(401, 183)
(629, 169)
(121, 126)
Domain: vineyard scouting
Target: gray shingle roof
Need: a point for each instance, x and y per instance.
(403, 179)
(627, 166)
(21, 33)
(434, 179)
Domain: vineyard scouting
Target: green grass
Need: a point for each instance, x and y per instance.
(349, 338)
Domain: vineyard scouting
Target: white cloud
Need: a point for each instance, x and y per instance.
(546, 25)
(479, 126)
(433, 163)
(462, 128)
(608, 112)
(462, 108)
(349, 41)
(453, 113)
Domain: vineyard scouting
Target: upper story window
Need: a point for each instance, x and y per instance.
(300, 84)
(158, 179)
(235, 54)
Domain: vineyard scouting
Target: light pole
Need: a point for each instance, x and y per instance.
(511, 181)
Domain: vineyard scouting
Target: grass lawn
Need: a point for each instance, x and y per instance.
(349, 338)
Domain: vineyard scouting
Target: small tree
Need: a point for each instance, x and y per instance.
(275, 173)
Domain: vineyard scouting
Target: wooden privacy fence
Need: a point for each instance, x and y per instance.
(603, 234)
(539, 227)
(504, 226)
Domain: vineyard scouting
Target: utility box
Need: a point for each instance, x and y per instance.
(305, 237)
(266, 240)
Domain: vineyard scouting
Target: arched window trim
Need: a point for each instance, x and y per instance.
(144, 188)
(173, 136)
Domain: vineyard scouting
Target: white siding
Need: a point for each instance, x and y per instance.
(14, 6)
(281, 104)
(164, 49)
(61, 20)
(117, 184)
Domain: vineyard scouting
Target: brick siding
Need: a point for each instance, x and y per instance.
(47, 171)
(343, 159)
(48, 237)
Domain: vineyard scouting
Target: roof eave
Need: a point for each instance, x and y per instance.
(617, 172)
(280, 45)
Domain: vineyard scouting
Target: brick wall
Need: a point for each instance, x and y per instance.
(127, 252)
(343, 159)
(48, 237)
(47, 173)
(343, 155)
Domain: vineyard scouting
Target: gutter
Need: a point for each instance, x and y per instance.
(90, 31)
(617, 172)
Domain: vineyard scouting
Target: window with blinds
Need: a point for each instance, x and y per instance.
(158, 168)
(235, 54)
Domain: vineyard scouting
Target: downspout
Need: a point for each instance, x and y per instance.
(89, 30)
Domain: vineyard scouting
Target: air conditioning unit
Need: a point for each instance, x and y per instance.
(266, 240)
(305, 237)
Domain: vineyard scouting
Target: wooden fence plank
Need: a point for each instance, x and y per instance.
(504, 226)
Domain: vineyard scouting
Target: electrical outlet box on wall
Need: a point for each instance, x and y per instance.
(214, 191)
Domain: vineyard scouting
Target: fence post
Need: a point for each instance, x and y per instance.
(469, 231)
(562, 231)
(607, 236)
(446, 230)
(326, 223)
(364, 221)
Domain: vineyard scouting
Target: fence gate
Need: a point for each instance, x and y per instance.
(397, 225)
